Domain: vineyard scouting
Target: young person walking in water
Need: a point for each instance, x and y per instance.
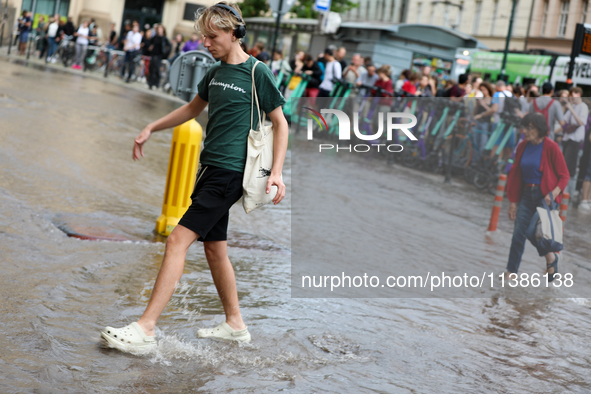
(227, 88)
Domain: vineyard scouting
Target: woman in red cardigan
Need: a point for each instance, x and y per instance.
(539, 169)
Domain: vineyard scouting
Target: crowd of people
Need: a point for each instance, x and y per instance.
(151, 42)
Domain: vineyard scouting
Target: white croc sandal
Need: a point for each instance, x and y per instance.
(224, 331)
(128, 339)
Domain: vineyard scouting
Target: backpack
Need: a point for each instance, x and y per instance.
(544, 111)
(511, 104)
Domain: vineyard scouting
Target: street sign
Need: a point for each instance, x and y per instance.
(187, 71)
(285, 6)
(330, 22)
(322, 5)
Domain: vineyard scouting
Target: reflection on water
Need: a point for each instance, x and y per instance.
(65, 151)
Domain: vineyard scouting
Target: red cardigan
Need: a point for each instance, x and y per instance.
(553, 167)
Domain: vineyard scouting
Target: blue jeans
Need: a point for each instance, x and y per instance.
(525, 226)
(52, 46)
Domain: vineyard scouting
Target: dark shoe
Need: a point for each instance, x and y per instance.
(553, 265)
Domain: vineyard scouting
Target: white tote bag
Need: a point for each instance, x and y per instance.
(259, 160)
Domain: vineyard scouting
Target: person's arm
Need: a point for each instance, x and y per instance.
(491, 110)
(558, 165)
(559, 113)
(280, 139)
(574, 114)
(179, 116)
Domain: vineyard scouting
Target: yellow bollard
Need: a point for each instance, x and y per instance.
(182, 169)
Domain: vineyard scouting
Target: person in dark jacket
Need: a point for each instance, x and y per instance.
(159, 49)
(538, 171)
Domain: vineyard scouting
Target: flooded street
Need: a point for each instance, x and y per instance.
(65, 157)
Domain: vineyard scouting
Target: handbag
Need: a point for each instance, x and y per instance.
(570, 128)
(549, 228)
(259, 160)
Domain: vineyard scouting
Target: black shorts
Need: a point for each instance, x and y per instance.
(216, 190)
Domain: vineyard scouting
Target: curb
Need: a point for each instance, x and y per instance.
(60, 68)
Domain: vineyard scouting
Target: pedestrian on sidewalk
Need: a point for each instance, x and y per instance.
(227, 88)
(82, 40)
(52, 31)
(132, 44)
(159, 49)
(24, 29)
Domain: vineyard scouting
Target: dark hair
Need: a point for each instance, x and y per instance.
(517, 90)
(328, 52)
(547, 88)
(463, 79)
(488, 87)
(538, 121)
(406, 74)
(307, 58)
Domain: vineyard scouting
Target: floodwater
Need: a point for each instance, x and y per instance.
(65, 156)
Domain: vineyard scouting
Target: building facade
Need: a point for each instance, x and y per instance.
(383, 11)
(538, 24)
(553, 24)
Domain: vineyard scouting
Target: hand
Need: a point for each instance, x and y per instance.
(275, 180)
(554, 195)
(476, 117)
(512, 211)
(138, 147)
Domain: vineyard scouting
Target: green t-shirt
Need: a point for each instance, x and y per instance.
(227, 89)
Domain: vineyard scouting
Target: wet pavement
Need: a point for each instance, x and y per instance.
(65, 155)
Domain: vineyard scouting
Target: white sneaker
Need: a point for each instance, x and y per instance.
(585, 206)
(53, 60)
(224, 331)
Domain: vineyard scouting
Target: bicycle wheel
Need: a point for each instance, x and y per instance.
(481, 179)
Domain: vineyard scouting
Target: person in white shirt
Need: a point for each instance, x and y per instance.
(133, 41)
(574, 132)
(332, 70)
(81, 43)
(51, 35)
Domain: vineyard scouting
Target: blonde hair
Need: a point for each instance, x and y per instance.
(218, 17)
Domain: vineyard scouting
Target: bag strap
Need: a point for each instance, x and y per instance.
(254, 97)
(545, 204)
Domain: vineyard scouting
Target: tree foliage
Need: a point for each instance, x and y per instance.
(252, 8)
(305, 8)
(301, 9)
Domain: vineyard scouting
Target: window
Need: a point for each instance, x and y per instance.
(563, 18)
(190, 10)
(585, 9)
(477, 13)
(494, 18)
(432, 16)
(460, 11)
(544, 19)
(419, 12)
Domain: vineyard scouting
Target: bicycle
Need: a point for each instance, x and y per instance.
(67, 50)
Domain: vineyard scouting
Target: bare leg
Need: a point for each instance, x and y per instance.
(170, 273)
(550, 257)
(225, 281)
(586, 190)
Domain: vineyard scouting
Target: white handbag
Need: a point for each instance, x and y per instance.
(259, 160)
